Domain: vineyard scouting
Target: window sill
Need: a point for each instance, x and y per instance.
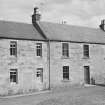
(65, 57)
(86, 58)
(65, 80)
(13, 83)
(13, 56)
(40, 57)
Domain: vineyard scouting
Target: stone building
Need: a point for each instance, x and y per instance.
(41, 55)
(23, 59)
(77, 54)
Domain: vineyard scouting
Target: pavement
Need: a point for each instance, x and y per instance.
(93, 95)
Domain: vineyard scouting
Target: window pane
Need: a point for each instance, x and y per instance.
(39, 74)
(65, 49)
(86, 50)
(39, 49)
(13, 75)
(66, 72)
(13, 48)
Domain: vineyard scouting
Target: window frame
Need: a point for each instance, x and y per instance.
(13, 76)
(39, 49)
(39, 73)
(65, 49)
(87, 70)
(66, 73)
(13, 48)
(86, 51)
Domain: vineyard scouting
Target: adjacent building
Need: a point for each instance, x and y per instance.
(23, 59)
(77, 54)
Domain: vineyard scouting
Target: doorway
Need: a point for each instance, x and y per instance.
(86, 74)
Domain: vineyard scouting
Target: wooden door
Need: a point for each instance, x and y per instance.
(87, 74)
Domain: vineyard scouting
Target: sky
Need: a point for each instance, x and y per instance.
(87, 13)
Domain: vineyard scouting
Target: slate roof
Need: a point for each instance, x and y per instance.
(64, 32)
(18, 30)
(53, 31)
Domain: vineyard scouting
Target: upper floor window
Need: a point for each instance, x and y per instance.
(39, 49)
(13, 75)
(65, 72)
(65, 49)
(13, 48)
(86, 51)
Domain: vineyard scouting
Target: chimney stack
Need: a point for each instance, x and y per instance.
(102, 25)
(36, 16)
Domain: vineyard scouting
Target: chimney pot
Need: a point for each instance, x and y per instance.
(102, 25)
(36, 16)
(35, 10)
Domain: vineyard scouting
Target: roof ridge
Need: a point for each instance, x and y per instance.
(70, 25)
(6, 21)
(55, 31)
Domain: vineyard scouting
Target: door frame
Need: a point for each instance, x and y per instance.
(87, 74)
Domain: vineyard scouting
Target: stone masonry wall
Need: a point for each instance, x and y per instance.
(76, 63)
(26, 63)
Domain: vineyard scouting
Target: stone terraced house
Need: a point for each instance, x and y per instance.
(23, 58)
(43, 55)
(77, 54)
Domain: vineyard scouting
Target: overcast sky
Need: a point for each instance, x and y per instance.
(76, 12)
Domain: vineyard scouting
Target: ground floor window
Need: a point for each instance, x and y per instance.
(13, 75)
(65, 72)
(39, 74)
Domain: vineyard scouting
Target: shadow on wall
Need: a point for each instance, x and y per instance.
(103, 85)
(98, 80)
